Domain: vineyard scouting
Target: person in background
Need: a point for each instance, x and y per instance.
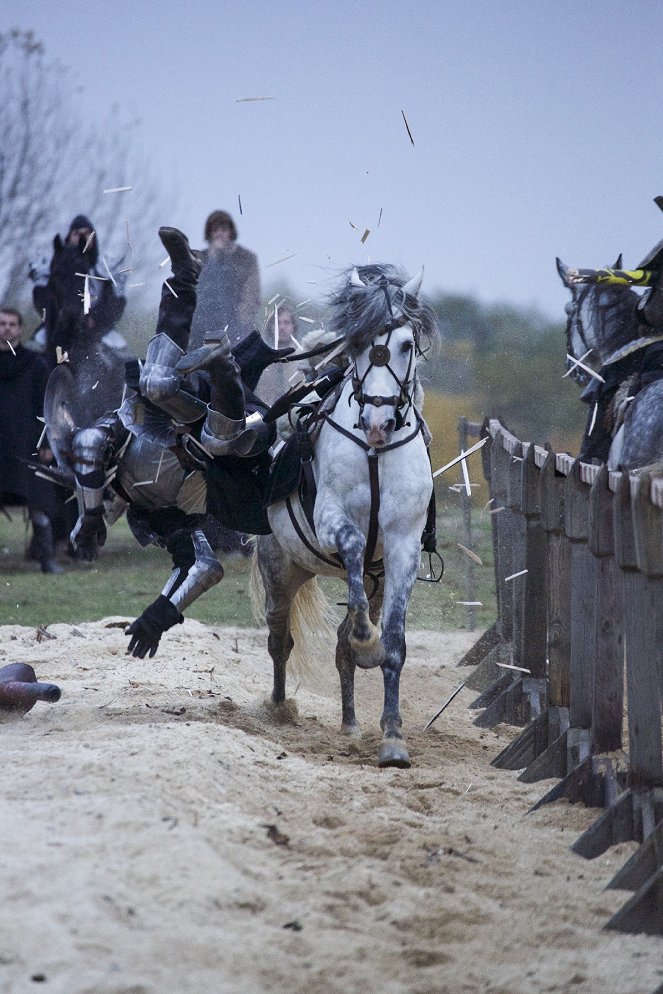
(275, 381)
(229, 287)
(23, 376)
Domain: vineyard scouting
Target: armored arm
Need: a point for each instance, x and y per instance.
(92, 451)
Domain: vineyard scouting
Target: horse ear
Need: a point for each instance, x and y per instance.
(412, 286)
(563, 269)
(619, 262)
(58, 244)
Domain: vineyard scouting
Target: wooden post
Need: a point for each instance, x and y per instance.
(502, 533)
(583, 586)
(553, 498)
(644, 628)
(534, 614)
(466, 508)
(608, 702)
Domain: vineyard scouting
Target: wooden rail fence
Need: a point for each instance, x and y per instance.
(576, 653)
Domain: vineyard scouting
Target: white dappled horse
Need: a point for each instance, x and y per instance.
(373, 487)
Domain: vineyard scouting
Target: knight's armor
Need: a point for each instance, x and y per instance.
(157, 453)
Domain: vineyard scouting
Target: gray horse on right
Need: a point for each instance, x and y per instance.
(614, 341)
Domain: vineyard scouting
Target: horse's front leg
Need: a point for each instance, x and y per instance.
(401, 562)
(345, 658)
(336, 530)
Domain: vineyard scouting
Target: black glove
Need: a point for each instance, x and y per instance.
(89, 534)
(146, 630)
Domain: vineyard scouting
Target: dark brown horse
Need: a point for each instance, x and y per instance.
(73, 328)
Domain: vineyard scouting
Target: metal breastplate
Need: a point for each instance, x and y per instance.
(152, 477)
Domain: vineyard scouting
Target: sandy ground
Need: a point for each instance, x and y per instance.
(164, 834)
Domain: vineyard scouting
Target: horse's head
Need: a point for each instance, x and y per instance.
(383, 321)
(601, 319)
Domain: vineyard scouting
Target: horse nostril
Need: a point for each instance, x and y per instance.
(389, 425)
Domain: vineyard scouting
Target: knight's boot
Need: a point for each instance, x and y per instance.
(43, 544)
(178, 294)
(186, 262)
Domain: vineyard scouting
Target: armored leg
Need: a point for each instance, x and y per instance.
(178, 294)
(196, 569)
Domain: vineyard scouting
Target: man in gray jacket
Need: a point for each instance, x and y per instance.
(229, 285)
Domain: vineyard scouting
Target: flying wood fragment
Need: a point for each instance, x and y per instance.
(284, 259)
(445, 705)
(107, 268)
(250, 100)
(118, 189)
(380, 217)
(89, 240)
(463, 455)
(407, 126)
(508, 666)
(162, 264)
(587, 369)
(472, 555)
(170, 288)
(240, 203)
(514, 575)
(575, 362)
(365, 235)
(594, 413)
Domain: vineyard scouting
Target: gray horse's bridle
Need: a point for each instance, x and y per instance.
(380, 355)
(578, 303)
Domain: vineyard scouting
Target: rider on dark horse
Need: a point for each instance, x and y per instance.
(644, 365)
(107, 302)
(200, 408)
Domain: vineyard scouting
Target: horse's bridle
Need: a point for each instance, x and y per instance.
(380, 355)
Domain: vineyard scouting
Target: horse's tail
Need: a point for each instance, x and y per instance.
(313, 625)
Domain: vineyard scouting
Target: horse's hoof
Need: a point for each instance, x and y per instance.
(393, 752)
(352, 731)
(368, 655)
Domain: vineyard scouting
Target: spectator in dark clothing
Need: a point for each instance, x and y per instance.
(23, 376)
(229, 285)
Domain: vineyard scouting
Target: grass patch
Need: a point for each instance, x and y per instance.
(126, 578)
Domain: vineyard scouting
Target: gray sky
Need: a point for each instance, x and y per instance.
(537, 128)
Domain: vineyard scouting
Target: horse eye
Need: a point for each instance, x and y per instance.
(406, 347)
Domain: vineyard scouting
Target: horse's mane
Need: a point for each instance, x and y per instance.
(361, 312)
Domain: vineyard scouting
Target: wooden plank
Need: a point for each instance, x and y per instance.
(502, 524)
(558, 581)
(642, 913)
(608, 697)
(615, 825)
(646, 861)
(559, 619)
(642, 627)
(608, 704)
(583, 641)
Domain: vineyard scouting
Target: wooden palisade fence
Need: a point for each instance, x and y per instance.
(584, 626)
